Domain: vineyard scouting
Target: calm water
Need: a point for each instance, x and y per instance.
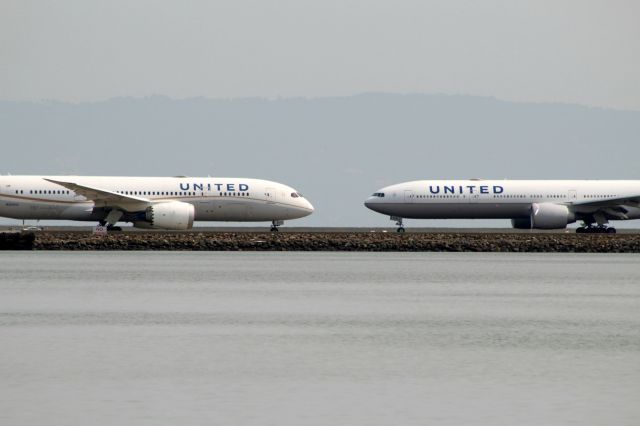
(319, 339)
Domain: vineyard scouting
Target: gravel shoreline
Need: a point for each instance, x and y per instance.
(319, 241)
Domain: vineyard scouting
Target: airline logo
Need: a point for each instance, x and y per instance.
(466, 189)
(229, 187)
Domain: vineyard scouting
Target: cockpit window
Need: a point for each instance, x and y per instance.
(378, 194)
(294, 194)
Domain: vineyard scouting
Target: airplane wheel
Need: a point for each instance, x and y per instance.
(580, 230)
(401, 230)
(274, 229)
(611, 230)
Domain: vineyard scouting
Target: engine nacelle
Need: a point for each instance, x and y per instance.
(174, 215)
(546, 216)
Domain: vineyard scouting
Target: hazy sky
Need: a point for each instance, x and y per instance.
(585, 52)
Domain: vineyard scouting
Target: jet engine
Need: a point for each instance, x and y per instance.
(174, 215)
(546, 216)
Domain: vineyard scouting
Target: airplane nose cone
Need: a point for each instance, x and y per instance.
(309, 206)
(370, 202)
(374, 203)
(304, 207)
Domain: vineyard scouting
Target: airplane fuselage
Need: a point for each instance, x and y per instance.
(213, 199)
(507, 199)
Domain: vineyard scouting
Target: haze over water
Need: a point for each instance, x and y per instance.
(319, 338)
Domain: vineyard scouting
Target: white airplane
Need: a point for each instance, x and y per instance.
(540, 204)
(150, 202)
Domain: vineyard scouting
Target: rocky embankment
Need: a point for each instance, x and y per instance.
(334, 241)
(17, 241)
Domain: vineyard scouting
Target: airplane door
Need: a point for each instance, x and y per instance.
(573, 195)
(271, 194)
(5, 189)
(408, 196)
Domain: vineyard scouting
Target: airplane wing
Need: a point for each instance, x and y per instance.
(632, 201)
(101, 197)
(611, 208)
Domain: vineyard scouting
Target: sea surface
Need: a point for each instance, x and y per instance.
(206, 338)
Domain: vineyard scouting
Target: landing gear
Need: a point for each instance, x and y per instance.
(398, 223)
(110, 221)
(275, 224)
(108, 227)
(600, 229)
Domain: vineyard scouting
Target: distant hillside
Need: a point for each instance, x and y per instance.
(335, 150)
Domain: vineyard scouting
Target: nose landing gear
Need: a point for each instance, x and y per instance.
(275, 224)
(398, 223)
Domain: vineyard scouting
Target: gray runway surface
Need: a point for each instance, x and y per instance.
(254, 229)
